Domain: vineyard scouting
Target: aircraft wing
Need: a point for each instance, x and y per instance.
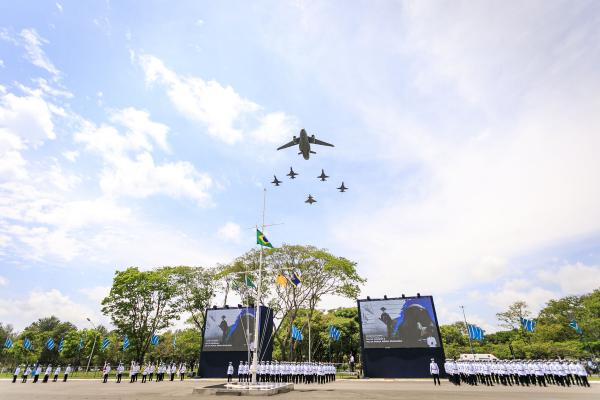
(320, 142)
(290, 144)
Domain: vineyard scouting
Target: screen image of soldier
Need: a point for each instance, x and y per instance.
(229, 330)
(399, 323)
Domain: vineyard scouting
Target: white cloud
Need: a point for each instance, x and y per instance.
(59, 7)
(516, 290)
(71, 155)
(28, 117)
(1, 63)
(96, 293)
(224, 112)
(3, 281)
(141, 177)
(573, 279)
(276, 127)
(230, 232)
(33, 46)
(138, 175)
(140, 128)
(12, 163)
(39, 304)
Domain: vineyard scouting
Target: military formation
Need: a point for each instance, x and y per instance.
(171, 371)
(284, 372)
(517, 372)
(35, 371)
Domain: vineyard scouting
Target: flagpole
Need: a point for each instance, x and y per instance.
(258, 296)
(468, 335)
(329, 344)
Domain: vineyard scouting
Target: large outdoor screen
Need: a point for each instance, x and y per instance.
(408, 322)
(229, 329)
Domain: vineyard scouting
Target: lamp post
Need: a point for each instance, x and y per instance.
(93, 346)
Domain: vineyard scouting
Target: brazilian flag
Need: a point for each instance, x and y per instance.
(262, 239)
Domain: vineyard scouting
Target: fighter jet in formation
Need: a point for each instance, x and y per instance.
(292, 174)
(310, 200)
(276, 181)
(304, 142)
(342, 188)
(323, 177)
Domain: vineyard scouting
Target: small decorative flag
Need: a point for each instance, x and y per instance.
(294, 279)
(61, 344)
(573, 324)
(296, 333)
(154, 340)
(8, 343)
(105, 343)
(50, 343)
(27, 344)
(248, 281)
(80, 343)
(262, 240)
(528, 324)
(174, 341)
(334, 333)
(125, 342)
(281, 280)
(475, 332)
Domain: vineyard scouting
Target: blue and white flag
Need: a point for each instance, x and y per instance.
(296, 333)
(174, 341)
(573, 324)
(334, 333)
(80, 343)
(8, 343)
(125, 342)
(154, 340)
(61, 344)
(528, 324)
(475, 332)
(50, 343)
(27, 344)
(105, 343)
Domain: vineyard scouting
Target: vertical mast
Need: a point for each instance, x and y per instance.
(258, 297)
(468, 335)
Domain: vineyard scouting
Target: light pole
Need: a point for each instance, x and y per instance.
(93, 346)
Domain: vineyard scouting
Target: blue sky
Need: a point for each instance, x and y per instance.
(143, 134)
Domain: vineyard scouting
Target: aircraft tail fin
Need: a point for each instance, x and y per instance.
(313, 152)
(299, 152)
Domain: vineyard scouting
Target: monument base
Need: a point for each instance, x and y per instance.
(245, 389)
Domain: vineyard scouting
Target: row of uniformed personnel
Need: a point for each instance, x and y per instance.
(517, 372)
(285, 372)
(147, 371)
(36, 371)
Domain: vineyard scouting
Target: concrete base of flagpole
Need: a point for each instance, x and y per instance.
(245, 389)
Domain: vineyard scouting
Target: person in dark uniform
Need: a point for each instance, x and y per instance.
(387, 320)
(225, 328)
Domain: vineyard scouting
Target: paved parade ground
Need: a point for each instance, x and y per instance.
(342, 389)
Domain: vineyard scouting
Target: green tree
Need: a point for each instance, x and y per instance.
(320, 272)
(197, 287)
(142, 303)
